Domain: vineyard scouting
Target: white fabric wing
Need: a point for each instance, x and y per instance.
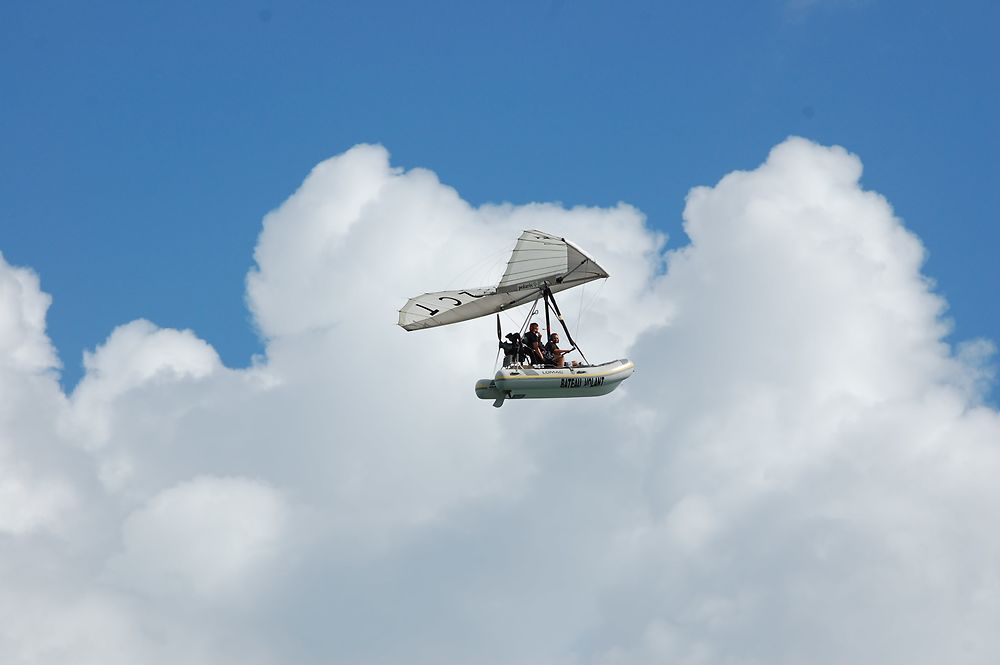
(537, 256)
(539, 260)
(444, 307)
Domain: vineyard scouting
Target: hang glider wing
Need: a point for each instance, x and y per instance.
(539, 257)
(538, 260)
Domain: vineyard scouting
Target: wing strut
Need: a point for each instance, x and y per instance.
(551, 298)
(546, 294)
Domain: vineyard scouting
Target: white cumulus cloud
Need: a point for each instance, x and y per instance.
(204, 537)
(802, 469)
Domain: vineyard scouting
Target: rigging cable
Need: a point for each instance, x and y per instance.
(590, 302)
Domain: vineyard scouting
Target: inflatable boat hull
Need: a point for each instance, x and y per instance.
(554, 382)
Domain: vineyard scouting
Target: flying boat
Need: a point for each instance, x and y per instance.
(540, 266)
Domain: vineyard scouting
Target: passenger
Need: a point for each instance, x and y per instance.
(554, 354)
(533, 343)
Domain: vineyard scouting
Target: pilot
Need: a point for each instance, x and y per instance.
(533, 343)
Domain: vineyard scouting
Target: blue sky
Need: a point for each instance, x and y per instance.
(143, 142)
(796, 459)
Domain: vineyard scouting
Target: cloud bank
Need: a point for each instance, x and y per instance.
(802, 469)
